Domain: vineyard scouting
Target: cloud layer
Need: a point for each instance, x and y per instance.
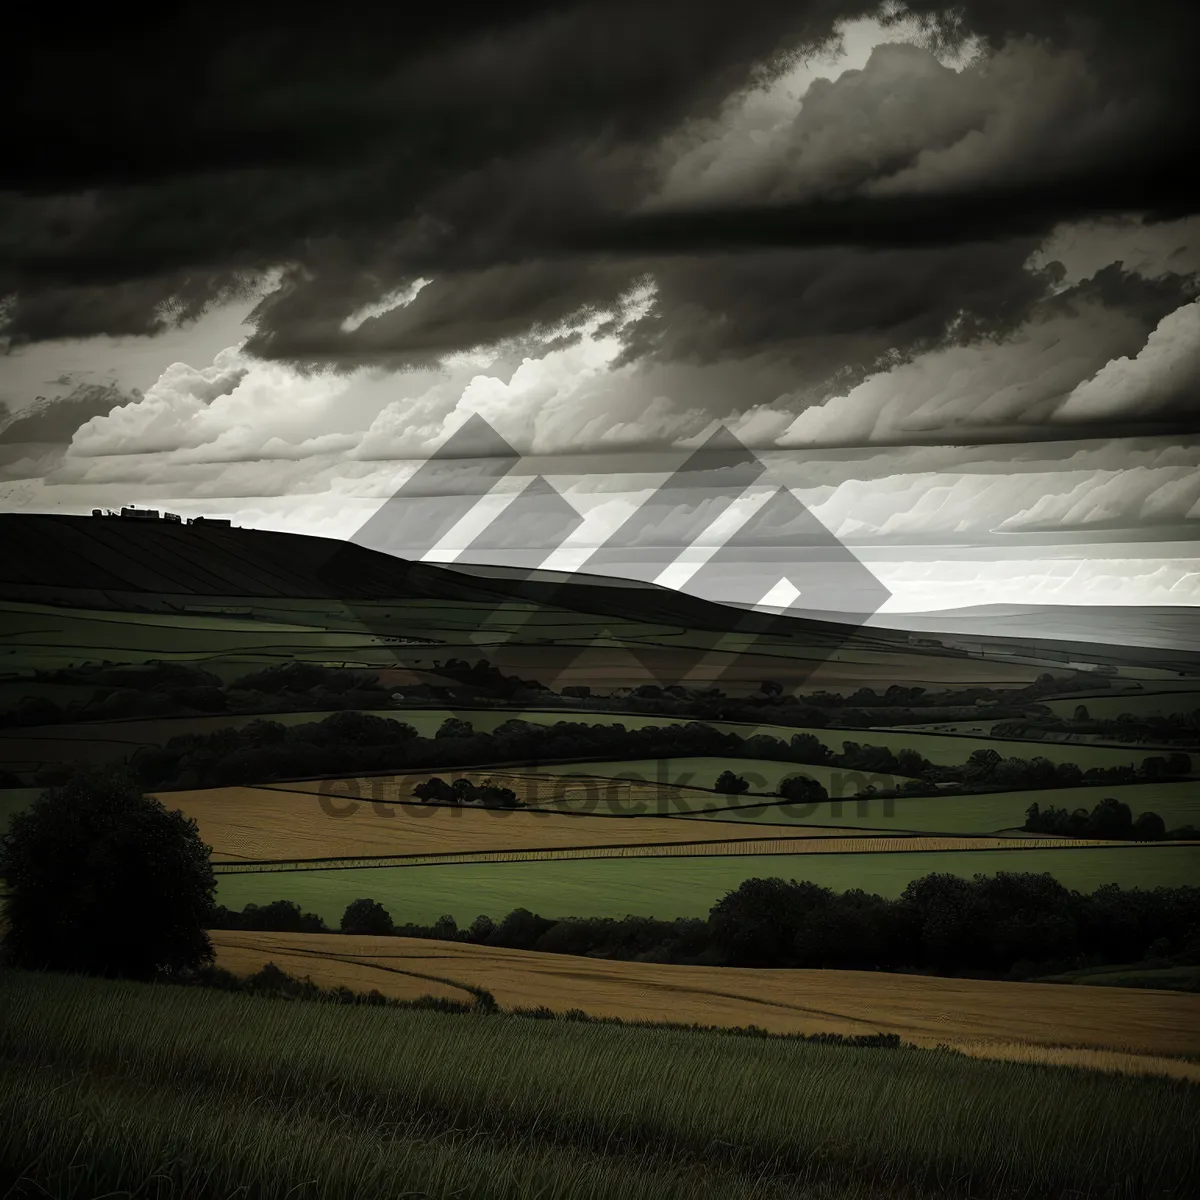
(561, 152)
(938, 265)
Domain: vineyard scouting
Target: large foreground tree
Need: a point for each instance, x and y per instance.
(105, 880)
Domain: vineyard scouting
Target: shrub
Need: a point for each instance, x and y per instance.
(481, 928)
(445, 928)
(730, 784)
(520, 930)
(280, 916)
(1149, 827)
(435, 789)
(104, 880)
(801, 789)
(367, 916)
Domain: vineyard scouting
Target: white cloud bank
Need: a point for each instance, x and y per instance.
(1164, 376)
(927, 586)
(984, 388)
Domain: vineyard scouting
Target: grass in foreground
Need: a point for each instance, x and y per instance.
(117, 1087)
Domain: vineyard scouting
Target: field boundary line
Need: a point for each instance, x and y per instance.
(715, 849)
(349, 959)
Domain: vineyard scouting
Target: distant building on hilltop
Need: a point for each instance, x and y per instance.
(129, 512)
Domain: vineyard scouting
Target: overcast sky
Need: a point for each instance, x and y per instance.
(941, 274)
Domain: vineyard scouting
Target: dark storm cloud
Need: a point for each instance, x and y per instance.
(169, 152)
(138, 307)
(198, 88)
(996, 210)
(508, 153)
(456, 310)
(367, 97)
(835, 314)
(827, 307)
(55, 419)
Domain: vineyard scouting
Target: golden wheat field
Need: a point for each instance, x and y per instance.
(253, 823)
(1134, 1030)
(536, 788)
(259, 824)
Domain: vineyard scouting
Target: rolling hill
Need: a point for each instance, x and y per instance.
(158, 566)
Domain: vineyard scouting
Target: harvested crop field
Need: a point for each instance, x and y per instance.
(923, 1010)
(298, 830)
(268, 823)
(577, 789)
(242, 954)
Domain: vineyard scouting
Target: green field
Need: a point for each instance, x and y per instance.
(426, 721)
(245, 631)
(13, 691)
(151, 731)
(763, 775)
(1175, 978)
(45, 636)
(1177, 803)
(117, 1089)
(14, 800)
(946, 750)
(678, 887)
(1142, 704)
(939, 749)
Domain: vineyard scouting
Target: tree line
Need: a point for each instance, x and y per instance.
(464, 791)
(1014, 925)
(1111, 819)
(167, 689)
(1164, 729)
(104, 879)
(353, 742)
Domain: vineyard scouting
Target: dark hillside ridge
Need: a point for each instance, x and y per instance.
(1167, 638)
(160, 566)
(46, 555)
(128, 564)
